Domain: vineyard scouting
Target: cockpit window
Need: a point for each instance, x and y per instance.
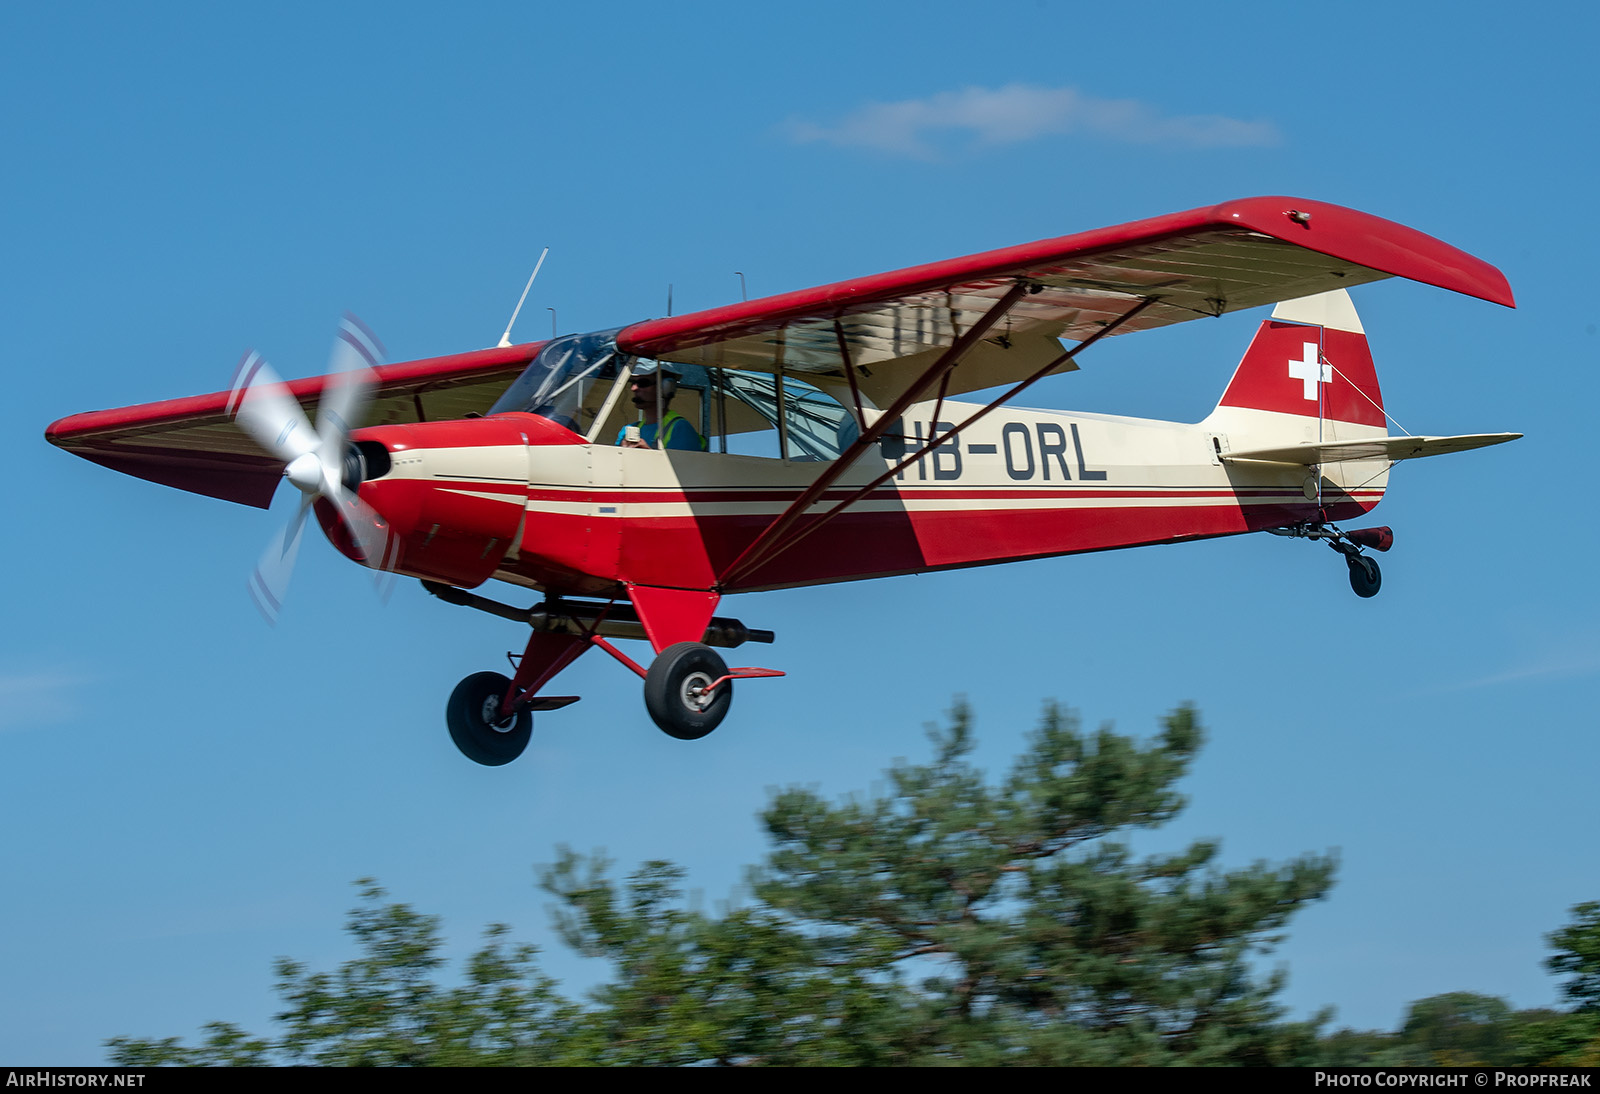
(568, 381)
(815, 425)
(576, 379)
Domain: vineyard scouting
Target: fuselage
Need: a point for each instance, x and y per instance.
(522, 499)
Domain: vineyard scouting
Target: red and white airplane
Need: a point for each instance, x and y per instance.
(834, 447)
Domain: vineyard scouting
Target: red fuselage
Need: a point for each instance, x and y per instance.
(520, 498)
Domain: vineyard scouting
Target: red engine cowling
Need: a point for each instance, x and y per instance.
(452, 493)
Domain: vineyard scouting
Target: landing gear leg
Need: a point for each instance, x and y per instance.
(1365, 577)
(687, 689)
(490, 715)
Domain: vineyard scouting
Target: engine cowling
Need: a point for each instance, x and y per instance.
(453, 494)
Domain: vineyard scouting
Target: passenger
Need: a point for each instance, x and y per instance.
(655, 412)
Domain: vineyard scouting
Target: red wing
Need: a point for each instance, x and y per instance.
(192, 443)
(1203, 262)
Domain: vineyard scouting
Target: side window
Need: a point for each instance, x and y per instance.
(812, 426)
(692, 403)
(738, 413)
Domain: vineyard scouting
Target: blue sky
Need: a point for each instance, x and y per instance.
(189, 794)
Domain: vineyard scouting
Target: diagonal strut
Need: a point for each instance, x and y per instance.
(935, 441)
(764, 543)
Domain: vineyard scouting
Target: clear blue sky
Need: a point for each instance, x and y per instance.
(189, 794)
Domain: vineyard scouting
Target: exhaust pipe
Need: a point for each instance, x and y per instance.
(578, 618)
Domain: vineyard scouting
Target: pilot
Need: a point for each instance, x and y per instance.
(652, 386)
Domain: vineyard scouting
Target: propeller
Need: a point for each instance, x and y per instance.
(316, 460)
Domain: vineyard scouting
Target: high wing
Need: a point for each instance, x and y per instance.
(1392, 449)
(192, 443)
(995, 318)
(1199, 263)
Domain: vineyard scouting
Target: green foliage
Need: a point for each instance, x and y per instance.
(1365, 1048)
(1570, 1039)
(383, 1009)
(1458, 1029)
(225, 1046)
(743, 988)
(946, 921)
(1577, 947)
(1034, 937)
(1555, 1039)
(1463, 1028)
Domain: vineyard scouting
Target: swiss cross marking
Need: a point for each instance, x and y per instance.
(1308, 371)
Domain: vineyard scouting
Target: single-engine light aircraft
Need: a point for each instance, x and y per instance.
(634, 477)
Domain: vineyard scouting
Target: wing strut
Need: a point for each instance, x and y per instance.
(761, 547)
(934, 441)
(849, 372)
(1017, 389)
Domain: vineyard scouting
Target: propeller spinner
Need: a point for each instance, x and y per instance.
(315, 459)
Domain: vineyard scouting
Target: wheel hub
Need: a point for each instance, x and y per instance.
(695, 693)
(491, 716)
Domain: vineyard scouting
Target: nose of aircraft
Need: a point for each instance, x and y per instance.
(449, 494)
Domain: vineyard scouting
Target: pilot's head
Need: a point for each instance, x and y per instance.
(646, 375)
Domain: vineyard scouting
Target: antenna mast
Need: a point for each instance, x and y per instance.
(505, 339)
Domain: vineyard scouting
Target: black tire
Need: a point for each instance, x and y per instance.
(670, 685)
(471, 715)
(1365, 577)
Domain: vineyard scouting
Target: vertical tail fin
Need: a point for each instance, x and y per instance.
(1310, 359)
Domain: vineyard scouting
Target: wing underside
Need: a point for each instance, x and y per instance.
(192, 443)
(1205, 262)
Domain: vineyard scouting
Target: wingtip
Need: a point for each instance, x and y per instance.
(1368, 240)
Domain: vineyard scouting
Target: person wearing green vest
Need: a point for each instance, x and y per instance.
(652, 387)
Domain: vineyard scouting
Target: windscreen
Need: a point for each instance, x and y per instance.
(568, 381)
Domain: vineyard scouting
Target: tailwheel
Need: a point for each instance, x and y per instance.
(687, 690)
(476, 725)
(1365, 577)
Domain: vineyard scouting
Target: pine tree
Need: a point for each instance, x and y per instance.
(947, 920)
(954, 921)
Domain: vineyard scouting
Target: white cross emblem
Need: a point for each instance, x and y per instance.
(1308, 372)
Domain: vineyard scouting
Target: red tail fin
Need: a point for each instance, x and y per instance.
(1311, 359)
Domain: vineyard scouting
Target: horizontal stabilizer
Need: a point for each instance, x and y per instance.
(1308, 453)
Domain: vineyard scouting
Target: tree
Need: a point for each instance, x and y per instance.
(1464, 1028)
(1572, 1038)
(1577, 947)
(947, 921)
(1364, 1048)
(1458, 1029)
(383, 1009)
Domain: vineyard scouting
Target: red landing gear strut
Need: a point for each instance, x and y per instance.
(687, 688)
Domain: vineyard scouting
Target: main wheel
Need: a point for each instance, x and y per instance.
(675, 691)
(1365, 577)
(476, 727)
